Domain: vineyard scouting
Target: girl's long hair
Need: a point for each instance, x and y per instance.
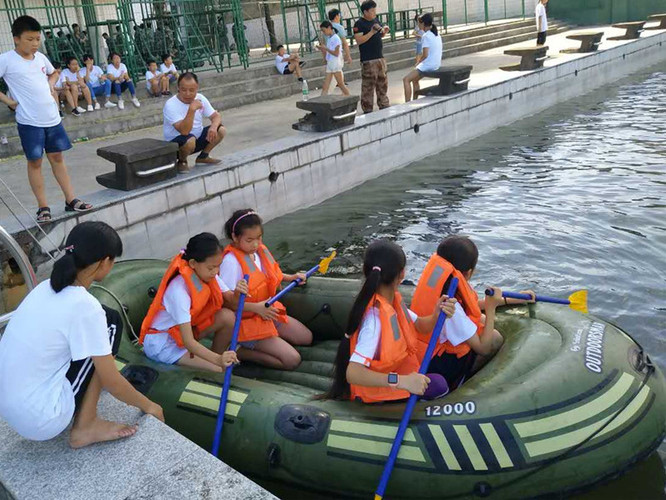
(382, 265)
(87, 243)
(428, 21)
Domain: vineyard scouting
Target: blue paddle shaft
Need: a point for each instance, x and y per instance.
(227, 374)
(411, 402)
(290, 287)
(525, 296)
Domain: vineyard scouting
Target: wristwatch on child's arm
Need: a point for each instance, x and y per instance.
(393, 380)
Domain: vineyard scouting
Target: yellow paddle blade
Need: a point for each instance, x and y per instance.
(323, 265)
(579, 301)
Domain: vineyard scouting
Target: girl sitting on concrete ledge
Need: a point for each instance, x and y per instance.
(56, 354)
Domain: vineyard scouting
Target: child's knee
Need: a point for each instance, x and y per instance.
(498, 340)
(291, 360)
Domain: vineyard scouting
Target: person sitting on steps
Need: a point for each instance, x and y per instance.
(288, 64)
(183, 123)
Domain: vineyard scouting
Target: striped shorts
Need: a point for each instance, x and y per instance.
(80, 372)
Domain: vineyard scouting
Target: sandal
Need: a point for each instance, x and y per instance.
(77, 205)
(43, 215)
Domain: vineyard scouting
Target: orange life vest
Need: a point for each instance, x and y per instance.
(206, 301)
(262, 286)
(396, 351)
(429, 290)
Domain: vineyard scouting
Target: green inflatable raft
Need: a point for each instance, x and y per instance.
(569, 401)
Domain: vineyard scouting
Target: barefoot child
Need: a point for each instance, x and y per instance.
(457, 256)
(188, 307)
(56, 354)
(378, 359)
(266, 332)
(332, 52)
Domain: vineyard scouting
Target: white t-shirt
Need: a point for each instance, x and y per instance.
(28, 82)
(47, 332)
(68, 76)
(177, 303)
(116, 72)
(231, 271)
(333, 42)
(456, 330)
(433, 43)
(95, 74)
(165, 69)
(281, 64)
(149, 76)
(175, 110)
(540, 12)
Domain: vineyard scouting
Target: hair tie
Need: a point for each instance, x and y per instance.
(69, 249)
(233, 228)
(377, 268)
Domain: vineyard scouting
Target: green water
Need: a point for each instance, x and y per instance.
(572, 198)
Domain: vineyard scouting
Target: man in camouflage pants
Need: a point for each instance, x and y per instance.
(368, 34)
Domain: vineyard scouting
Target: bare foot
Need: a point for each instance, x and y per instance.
(98, 431)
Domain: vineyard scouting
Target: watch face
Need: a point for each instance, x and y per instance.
(393, 378)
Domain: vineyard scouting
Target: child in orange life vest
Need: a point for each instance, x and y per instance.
(265, 333)
(188, 307)
(379, 360)
(456, 358)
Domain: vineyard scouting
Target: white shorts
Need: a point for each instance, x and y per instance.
(334, 66)
(161, 347)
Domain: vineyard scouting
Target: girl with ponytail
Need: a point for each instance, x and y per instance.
(56, 354)
(430, 59)
(378, 360)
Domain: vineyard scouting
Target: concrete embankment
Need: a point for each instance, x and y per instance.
(301, 169)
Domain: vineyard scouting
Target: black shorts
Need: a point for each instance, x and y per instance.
(201, 143)
(454, 369)
(80, 372)
(541, 38)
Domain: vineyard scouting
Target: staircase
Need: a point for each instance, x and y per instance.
(260, 82)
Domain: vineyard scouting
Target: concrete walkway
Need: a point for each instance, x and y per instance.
(156, 463)
(256, 125)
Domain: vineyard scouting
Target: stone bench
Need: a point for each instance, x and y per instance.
(531, 58)
(634, 30)
(452, 79)
(327, 113)
(657, 17)
(590, 42)
(139, 163)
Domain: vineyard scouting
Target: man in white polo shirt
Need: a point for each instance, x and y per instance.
(183, 123)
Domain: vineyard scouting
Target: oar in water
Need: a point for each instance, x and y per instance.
(411, 402)
(576, 301)
(322, 267)
(227, 374)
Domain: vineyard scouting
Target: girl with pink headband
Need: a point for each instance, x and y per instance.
(266, 334)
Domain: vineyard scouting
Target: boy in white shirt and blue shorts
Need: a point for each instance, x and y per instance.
(30, 75)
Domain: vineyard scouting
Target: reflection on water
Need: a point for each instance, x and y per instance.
(572, 198)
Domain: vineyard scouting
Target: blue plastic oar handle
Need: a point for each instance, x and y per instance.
(227, 374)
(524, 296)
(290, 287)
(411, 402)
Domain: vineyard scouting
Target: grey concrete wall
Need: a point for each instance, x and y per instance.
(156, 222)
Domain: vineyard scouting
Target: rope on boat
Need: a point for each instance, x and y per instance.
(122, 311)
(31, 218)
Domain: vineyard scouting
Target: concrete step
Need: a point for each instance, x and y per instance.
(265, 85)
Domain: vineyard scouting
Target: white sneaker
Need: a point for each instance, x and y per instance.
(89, 108)
(80, 109)
(136, 102)
(121, 104)
(97, 106)
(109, 105)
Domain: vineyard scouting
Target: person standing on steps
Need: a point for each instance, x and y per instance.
(30, 75)
(541, 21)
(368, 33)
(183, 123)
(335, 17)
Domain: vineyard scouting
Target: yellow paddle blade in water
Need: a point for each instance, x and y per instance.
(579, 301)
(323, 265)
